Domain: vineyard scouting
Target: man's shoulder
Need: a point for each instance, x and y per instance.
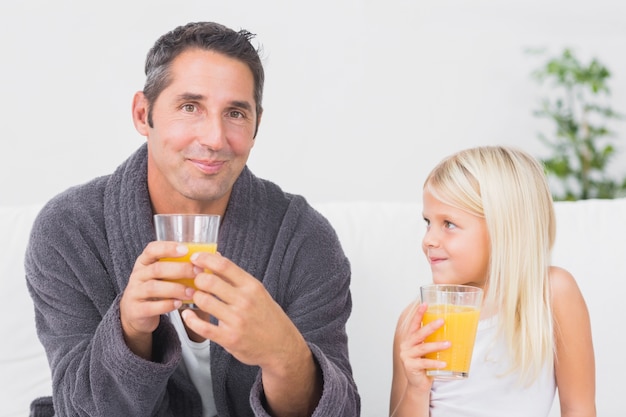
(76, 202)
(293, 203)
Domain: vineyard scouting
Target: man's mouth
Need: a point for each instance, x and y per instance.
(206, 166)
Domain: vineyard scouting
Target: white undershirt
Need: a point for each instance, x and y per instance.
(197, 365)
(490, 391)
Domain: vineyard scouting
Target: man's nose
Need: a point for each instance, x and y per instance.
(212, 133)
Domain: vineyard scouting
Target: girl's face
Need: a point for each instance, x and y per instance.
(456, 244)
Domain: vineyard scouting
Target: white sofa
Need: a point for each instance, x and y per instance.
(382, 241)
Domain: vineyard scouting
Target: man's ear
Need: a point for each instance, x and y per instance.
(258, 123)
(140, 113)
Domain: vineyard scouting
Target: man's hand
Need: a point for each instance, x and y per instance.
(147, 296)
(255, 330)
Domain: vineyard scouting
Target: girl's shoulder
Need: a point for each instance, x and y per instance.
(406, 315)
(561, 281)
(564, 290)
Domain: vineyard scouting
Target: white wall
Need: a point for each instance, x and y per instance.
(362, 97)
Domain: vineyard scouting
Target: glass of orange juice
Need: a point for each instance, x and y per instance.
(459, 306)
(196, 231)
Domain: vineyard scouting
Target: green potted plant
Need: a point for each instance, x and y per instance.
(582, 144)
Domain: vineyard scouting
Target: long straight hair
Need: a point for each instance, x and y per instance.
(508, 188)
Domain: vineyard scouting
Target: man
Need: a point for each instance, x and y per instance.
(272, 313)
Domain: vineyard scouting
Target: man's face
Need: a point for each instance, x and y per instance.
(202, 134)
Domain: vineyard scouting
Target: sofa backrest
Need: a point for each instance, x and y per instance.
(24, 371)
(383, 242)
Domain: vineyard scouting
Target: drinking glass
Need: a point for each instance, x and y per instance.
(459, 306)
(196, 231)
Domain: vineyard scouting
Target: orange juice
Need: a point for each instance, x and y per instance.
(459, 328)
(193, 248)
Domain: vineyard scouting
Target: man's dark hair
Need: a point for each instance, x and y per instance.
(209, 36)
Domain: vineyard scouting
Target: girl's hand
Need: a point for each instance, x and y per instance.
(410, 387)
(412, 348)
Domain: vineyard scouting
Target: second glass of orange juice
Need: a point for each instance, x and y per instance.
(459, 306)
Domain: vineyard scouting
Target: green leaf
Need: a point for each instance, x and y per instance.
(581, 143)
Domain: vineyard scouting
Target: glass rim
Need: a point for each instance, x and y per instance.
(185, 215)
(451, 288)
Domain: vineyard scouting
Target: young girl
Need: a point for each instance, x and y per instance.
(491, 224)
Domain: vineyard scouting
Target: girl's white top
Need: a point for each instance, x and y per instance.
(490, 391)
(196, 363)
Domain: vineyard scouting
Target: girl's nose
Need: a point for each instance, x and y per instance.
(431, 240)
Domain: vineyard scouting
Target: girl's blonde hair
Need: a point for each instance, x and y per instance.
(508, 188)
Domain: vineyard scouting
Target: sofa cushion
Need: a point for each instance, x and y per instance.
(22, 357)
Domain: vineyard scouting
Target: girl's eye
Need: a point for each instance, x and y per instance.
(449, 225)
(427, 221)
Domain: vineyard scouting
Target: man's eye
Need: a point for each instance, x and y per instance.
(189, 108)
(235, 114)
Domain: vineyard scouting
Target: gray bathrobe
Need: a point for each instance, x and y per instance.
(82, 250)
